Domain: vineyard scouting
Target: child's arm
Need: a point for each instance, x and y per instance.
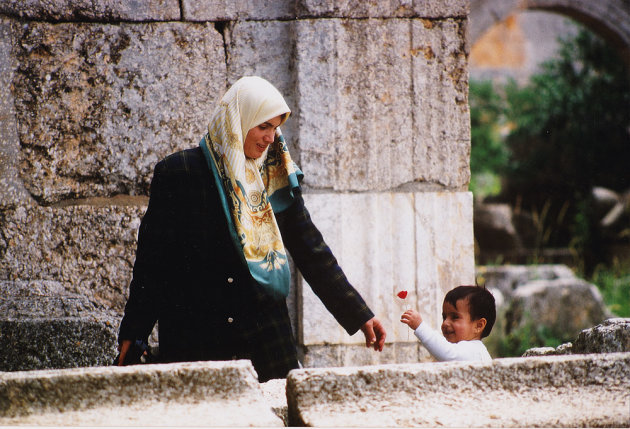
(443, 350)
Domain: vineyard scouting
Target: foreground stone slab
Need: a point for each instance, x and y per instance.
(560, 391)
(186, 394)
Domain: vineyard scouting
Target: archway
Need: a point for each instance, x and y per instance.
(608, 18)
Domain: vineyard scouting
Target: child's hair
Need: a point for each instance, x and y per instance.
(480, 304)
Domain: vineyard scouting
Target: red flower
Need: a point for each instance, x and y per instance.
(402, 294)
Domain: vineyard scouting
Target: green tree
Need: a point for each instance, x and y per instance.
(571, 132)
(488, 155)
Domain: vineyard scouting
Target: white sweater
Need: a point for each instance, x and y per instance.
(442, 350)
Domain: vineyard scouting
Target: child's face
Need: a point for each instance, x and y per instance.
(456, 324)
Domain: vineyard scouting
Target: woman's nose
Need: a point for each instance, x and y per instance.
(268, 137)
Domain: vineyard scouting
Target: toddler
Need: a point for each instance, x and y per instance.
(468, 313)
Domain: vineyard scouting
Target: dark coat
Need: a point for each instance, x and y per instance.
(189, 277)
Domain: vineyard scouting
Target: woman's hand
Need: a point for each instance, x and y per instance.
(123, 348)
(411, 318)
(374, 334)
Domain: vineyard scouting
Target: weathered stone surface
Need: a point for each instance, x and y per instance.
(12, 191)
(494, 229)
(566, 391)
(43, 326)
(98, 105)
(611, 336)
(508, 278)
(230, 10)
(186, 394)
(101, 10)
(250, 45)
(222, 10)
(90, 249)
(563, 306)
(362, 130)
(534, 297)
(330, 355)
(419, 242)
(357, 128)
(388, 8)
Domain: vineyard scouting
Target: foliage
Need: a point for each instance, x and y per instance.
(526, 336)
(570, 134)
(614, 284)
(488, 154)
(569, 130)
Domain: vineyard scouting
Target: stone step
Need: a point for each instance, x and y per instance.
(184, 394)
(565, 391)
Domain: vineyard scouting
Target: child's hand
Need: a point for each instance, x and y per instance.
(411, 318)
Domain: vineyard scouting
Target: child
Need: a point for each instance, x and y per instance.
(468, 313)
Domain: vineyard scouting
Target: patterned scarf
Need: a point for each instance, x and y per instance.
(253, 189)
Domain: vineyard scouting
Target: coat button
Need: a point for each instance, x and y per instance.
(230, 280)
(230, 320)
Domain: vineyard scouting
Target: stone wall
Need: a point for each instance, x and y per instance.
(92, 96)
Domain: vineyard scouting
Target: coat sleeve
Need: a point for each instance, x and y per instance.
(142, 305)
(319, 267)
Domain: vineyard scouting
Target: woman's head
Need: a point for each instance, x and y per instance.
(260, 108)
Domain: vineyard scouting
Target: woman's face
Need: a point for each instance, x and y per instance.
(261, 136)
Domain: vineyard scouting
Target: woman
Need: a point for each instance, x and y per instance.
(211, 265)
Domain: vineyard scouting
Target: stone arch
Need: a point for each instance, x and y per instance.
(608, 18)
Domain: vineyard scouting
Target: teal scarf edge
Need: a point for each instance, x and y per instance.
(277, 282)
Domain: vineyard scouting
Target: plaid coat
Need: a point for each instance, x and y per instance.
(189, 277)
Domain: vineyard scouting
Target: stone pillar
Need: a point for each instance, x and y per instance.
(379, 124)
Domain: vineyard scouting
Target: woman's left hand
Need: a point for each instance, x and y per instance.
(374, 334)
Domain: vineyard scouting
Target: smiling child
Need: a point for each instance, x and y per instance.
(468, 314)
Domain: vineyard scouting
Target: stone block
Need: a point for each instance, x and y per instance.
(43, 326)
(563, 306)
(89, 10)
(187, 394)
(235, 10)
(250, 45)
(12, 191)
(383, 9)
(562, 391)
(359, 128)
(89, 249)
(508, 278)
(387, 242)
(98, 105)
(355, 127)
(331, 355)
(611, 336)
(226, 10)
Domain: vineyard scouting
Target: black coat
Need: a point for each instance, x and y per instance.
(189, 277)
